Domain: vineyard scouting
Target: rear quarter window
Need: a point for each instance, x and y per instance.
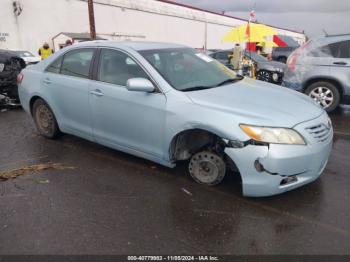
(322, 51)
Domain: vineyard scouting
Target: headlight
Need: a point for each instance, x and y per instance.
(274, 135)
(275, 77)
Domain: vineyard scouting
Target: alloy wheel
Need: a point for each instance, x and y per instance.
(323, 96)
(264, 76)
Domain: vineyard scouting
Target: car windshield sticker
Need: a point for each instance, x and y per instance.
(2, 66)
(204, 57)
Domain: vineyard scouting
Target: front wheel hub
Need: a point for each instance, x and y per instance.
(207, 168)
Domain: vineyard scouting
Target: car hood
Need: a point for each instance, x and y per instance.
(258, 103)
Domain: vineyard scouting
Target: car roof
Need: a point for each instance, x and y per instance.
(330, 39)
(138, 46)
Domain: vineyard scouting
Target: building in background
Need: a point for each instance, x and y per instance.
(26, 24)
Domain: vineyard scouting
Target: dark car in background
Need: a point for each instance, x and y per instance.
(28, 57)
(281, 54)
(269, 71)
(321, 69)
(10, 66)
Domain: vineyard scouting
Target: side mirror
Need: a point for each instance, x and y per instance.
(140, 85)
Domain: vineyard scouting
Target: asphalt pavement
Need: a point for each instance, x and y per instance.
(106, 202)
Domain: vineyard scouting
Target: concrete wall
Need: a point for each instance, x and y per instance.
(147, 20)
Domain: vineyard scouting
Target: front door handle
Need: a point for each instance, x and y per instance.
(47, 81)
(97, 92)
(340, 63)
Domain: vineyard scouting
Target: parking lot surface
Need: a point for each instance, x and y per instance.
(95, 200)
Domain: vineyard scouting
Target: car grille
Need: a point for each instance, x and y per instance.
(320, 132)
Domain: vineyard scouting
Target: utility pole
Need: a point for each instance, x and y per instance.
(92, 19)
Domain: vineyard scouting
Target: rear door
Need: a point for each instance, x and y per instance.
(340, 68)
(67, 83)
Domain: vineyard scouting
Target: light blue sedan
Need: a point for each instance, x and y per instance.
(169, 103)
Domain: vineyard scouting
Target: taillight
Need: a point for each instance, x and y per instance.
(20, 78)
(292, 61)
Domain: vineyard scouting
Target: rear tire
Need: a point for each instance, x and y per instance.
(324, 93)
(45, 120)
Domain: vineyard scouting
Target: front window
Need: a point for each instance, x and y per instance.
(117, 68)
(186, 70)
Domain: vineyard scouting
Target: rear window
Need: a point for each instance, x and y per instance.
(55, 67)
(340, 49)
(77, 63)
(336, 50)
(322, 51)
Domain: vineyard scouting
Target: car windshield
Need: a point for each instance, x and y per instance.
(24, 53)
(256, 57)
(185, 69)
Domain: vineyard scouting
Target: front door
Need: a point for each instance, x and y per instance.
(121, 118)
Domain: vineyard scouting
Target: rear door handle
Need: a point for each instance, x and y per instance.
(340, 63)
(97, 92)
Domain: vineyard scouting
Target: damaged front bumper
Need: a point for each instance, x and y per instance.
(273, 169)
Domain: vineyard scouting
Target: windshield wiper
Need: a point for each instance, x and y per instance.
(195, 88)
(231, 80)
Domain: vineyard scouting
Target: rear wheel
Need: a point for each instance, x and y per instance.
(207, 168)
(45, 120)
(324, 93)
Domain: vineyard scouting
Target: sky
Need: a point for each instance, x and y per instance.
(310, 16)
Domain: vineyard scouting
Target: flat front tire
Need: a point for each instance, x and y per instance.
(207, 168)
(45, 119)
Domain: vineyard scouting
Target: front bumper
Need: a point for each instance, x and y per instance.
(303, 163)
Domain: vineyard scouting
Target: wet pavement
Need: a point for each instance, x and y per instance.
(109, 202)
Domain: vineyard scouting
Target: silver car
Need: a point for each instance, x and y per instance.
(321, 69)
(169, 103)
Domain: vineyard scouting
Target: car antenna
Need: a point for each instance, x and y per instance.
(325, 32)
